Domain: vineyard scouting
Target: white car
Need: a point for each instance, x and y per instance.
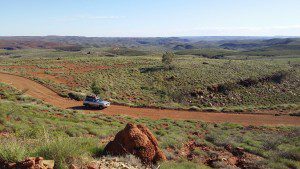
(95, 102)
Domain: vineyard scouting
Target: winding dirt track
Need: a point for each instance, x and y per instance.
(41, 92)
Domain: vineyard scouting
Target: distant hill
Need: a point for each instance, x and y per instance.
(24, 44)
(252, 44)
(183, 47)
(135, 45)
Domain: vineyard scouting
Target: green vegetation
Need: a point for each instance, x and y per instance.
(12, 150)
(206, 73)
(193, 83)
(96, 89)
(124, 52)
(219, 75)
(35, 129)
(71, 48)
(167, 60)
(182, 165)
(77, 96)
(208, 53)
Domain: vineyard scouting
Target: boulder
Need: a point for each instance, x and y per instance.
(136, 140)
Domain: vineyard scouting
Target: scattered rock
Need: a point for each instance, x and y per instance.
(29, 163)
(197, 93)
(232, 160)
(136, 140)
(238, 151)
(72, 166)
(49, 163)
(108, 162)
(93, 165)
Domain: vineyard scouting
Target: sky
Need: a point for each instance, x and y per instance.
(149, 18)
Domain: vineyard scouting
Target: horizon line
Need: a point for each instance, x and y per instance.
(294, 36)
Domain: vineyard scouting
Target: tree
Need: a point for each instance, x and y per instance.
(96, 89)
(167, 60)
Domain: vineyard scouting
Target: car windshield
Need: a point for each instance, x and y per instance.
(93, 99)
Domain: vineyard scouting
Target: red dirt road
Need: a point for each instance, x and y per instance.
(41, 92)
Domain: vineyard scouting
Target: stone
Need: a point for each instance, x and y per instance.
(72, 166)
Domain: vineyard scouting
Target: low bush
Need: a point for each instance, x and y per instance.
(77, 96)
(65, 150)
(182, 165)
(195, 108)
(12, 150)
(71, 48)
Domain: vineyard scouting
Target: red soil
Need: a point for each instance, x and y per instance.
(55, 75)
(41, 92)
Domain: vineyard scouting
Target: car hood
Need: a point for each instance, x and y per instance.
(104, 102)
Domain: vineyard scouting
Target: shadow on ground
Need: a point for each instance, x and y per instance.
(84, 108)
(152, 69)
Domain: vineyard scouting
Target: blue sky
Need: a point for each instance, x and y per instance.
(136, 18)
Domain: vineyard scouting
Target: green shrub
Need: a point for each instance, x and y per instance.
(70, 48)
(182, 165)
(161, 132)
(63, 150)
(96, 88)
(30, 132)
(12, 150)
(167, 60)
(77, 96)
(289, 152)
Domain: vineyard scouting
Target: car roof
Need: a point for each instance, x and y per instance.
(92, 96)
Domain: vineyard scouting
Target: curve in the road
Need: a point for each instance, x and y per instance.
(39, 91)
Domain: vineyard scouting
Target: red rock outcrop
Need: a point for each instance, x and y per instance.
(136, 140)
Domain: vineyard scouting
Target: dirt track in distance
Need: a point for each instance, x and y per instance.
(39, 91)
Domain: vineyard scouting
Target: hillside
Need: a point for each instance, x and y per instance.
(215, 102)
(216, 84)
(150, 44)
(73, 137)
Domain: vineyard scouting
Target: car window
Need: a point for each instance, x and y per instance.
(89, 99)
